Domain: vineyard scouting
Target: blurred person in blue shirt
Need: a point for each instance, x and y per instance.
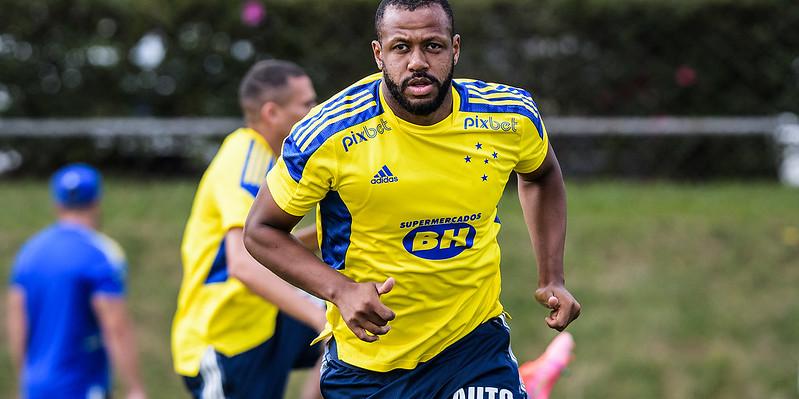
(66, 303)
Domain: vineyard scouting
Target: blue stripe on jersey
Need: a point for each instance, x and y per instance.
(336, 229)
(251, 188)
(308, 136)
(485, 88)
(522, 97)
(506, 96)
(359, 92)
(301, 133)
(482, 90)
(218, 271)
(295, 158)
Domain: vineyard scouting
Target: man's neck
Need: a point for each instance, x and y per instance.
(80, 218)
(422, 120)
(262, 130)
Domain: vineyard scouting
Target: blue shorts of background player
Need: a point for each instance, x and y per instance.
(479, 366)
(261, 372)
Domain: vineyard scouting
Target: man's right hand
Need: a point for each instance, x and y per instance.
(361, 309)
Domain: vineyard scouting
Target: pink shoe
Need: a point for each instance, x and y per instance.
(539, 375)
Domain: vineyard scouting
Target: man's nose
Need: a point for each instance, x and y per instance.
(418, 61)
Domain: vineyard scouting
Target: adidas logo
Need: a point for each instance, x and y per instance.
(384, 175)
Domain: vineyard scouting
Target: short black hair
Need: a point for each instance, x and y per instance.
(264, 82)
(412, 5)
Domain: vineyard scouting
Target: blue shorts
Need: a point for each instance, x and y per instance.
(260, 372)
(479, 366)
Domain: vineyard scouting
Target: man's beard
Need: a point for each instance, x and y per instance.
(423, 108)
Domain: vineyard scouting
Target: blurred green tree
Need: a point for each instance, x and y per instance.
(599, 57)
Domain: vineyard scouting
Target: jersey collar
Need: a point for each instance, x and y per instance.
(411, 127)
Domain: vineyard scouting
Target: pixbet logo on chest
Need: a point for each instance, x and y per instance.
(490, 124)
(364, 135)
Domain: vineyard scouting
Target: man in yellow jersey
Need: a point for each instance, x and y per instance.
(239, 330)
(407, 167)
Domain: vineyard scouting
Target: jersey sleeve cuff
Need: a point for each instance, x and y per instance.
(529, 167)
(281, 193)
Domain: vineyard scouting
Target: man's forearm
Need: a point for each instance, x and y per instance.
(125, 357)
(16, 325)
(267, 285)
(17, 354)
(288, 299)
(267, 239)
(544, 205)
(117, 332)
(307, 236)
(287, 258)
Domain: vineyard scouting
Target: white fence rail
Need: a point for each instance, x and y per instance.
(572, 125)
(783, 128)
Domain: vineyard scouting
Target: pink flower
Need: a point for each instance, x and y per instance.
(685, 76)
(253, 13)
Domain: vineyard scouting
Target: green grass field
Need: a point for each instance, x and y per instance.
(687, 291)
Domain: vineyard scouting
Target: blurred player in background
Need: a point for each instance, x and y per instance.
(239, 330)
(407, 167)
(66, 304)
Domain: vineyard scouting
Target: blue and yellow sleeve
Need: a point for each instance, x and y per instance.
(300, 180)
(107, 275)
(533, 146)
(235, 179)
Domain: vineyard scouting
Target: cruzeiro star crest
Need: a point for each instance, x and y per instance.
(483, 162)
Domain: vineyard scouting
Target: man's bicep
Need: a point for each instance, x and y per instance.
(16, 324)
(15, 300)
(111, 310)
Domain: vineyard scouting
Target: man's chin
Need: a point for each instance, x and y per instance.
(423, 108)
(420, 103)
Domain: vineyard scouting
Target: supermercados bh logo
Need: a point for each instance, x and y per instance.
(441, 238)
(478, 122)
(365, 134)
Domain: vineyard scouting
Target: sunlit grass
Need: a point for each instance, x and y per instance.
(687, 291)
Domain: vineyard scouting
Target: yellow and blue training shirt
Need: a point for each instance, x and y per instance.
(213, 308)
(417, 203)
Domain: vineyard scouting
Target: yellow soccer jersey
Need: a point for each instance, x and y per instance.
(417, 203)
(213, 308)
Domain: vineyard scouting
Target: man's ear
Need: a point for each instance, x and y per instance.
(456, 48)
(377, 50)
(268, 111)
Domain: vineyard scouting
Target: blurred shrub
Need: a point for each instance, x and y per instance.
(598, 57)
(83, 58)
(131, 156)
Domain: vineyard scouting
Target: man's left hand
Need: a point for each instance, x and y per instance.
(564, 307)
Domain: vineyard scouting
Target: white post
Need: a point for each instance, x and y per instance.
(787, 138)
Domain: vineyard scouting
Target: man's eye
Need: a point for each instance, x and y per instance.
(435, 46)
(401, 47)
